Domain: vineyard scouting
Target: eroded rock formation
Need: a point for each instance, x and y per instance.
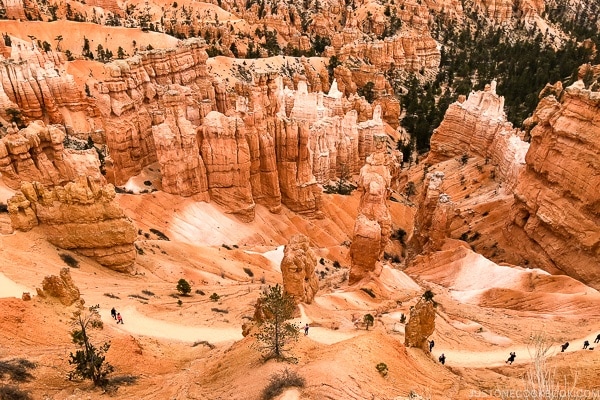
(36, 153)
(556, 219)
(61, 287)
(298, 270)
(420, 325)
(81, 216)
(433, 216)
(373, 224)
(478, 126)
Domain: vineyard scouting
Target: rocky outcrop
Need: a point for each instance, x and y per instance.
(81, 216)
(35, 153)
(409, 51)
(433, 215)
(61, 287)
(420, 325)
(181, 165)
(556, 221)
(478, 126)
(298, 270)
(226, 155)
(130, 97)
(37, 86)
(372, 229)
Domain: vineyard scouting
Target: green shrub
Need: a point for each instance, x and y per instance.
(382, 368)
(215, 297)
(278, 382)
(249, 272)
(428, 295)
(368, 320)
(183, 287)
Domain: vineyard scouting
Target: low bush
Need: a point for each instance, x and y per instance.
(215, 297)
(220, 310)
(204, 343)
(368, 291)
(200, 292)
(226, 246)
(382, 368)
(148, 293)
(278, 382)
(159, 234)
(3, 208)
(10, 392)
(69, 260)
(249, 272)
(137, 296)
(112, 296)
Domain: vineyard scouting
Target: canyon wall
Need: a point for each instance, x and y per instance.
(478, 126)
(556, 217)
(37, 153)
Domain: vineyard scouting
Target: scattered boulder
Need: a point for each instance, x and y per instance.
(60, 287)
(421, 324)
(298, 270)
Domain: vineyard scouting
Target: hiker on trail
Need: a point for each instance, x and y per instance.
(597, 339)
(586, 344)
(442, 359)
(113, 313)
(563, 347)
(431, 344)
(119, 319)
(306, 329)
(511, 358)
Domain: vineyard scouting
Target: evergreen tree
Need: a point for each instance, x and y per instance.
(275, 333)
(89, 361)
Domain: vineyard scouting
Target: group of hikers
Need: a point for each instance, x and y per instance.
(116, 315)
(586, 344)
(512, 355)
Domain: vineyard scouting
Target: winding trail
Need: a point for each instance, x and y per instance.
(139, 324)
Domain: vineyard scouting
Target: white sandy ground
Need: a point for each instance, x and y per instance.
(498, 357)
(9, 288)
(274, 256)
(137, 323)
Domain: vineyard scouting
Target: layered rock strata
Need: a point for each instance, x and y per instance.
(478, 126)
(37, 153)
(81, 216)
(373, 224)
(556, 217)
(37, 86)
(298, 270)
(226, 155)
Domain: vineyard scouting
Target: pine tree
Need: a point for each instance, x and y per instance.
(275, 333)
(89, 361)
